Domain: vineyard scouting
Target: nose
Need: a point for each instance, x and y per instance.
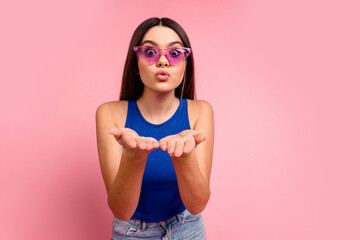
(162, 62)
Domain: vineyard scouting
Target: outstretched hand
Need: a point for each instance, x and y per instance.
(130, 140)
(182, 143)
(176, 145)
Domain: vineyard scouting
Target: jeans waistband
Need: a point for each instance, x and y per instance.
(179, 217)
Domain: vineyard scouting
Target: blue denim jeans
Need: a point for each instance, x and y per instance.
(182, 226)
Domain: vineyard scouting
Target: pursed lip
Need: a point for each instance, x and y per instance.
(162, 72)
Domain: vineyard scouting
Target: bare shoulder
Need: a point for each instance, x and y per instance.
(113, 111)
(199, 109)
(199, 106)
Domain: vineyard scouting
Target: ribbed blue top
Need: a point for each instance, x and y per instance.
(159, 196)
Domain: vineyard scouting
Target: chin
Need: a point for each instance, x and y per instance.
(162, 89)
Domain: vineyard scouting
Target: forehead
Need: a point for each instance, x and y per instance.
(162, 36)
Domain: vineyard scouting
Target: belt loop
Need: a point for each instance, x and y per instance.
(178, 217)
(143, 225)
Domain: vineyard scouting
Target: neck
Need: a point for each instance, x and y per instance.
(157, 107)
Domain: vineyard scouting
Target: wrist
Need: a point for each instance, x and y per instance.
(184, 158)
(135, 155)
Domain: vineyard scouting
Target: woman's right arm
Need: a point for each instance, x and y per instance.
(122, 156)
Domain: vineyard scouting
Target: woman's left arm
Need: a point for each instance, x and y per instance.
(191, 152)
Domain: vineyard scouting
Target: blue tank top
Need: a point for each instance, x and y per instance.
(159, 197)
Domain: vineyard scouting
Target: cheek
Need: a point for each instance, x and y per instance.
(181, 69)
(140, 65)
(143, 68)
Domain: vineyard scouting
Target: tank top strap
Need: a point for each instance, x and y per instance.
(182, 117)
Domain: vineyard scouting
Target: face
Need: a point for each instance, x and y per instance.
(163, 38)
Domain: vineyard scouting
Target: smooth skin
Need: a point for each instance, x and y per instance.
(123, 153)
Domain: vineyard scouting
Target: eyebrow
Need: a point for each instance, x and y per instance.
(153, 43)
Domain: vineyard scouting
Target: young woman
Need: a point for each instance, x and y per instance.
(155, 144)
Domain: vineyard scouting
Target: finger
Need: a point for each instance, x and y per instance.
(199, 137)
(141, 143)
(149, 143)
(171, 147)
(179, 147)
(115, 131)
(155, 143)
(163, 144)
(128, 140)
(189, 146)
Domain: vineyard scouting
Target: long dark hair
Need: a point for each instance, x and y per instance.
(132, 86)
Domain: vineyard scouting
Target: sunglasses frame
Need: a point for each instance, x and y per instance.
(160, 50)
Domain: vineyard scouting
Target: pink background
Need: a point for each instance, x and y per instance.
(282, 77)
